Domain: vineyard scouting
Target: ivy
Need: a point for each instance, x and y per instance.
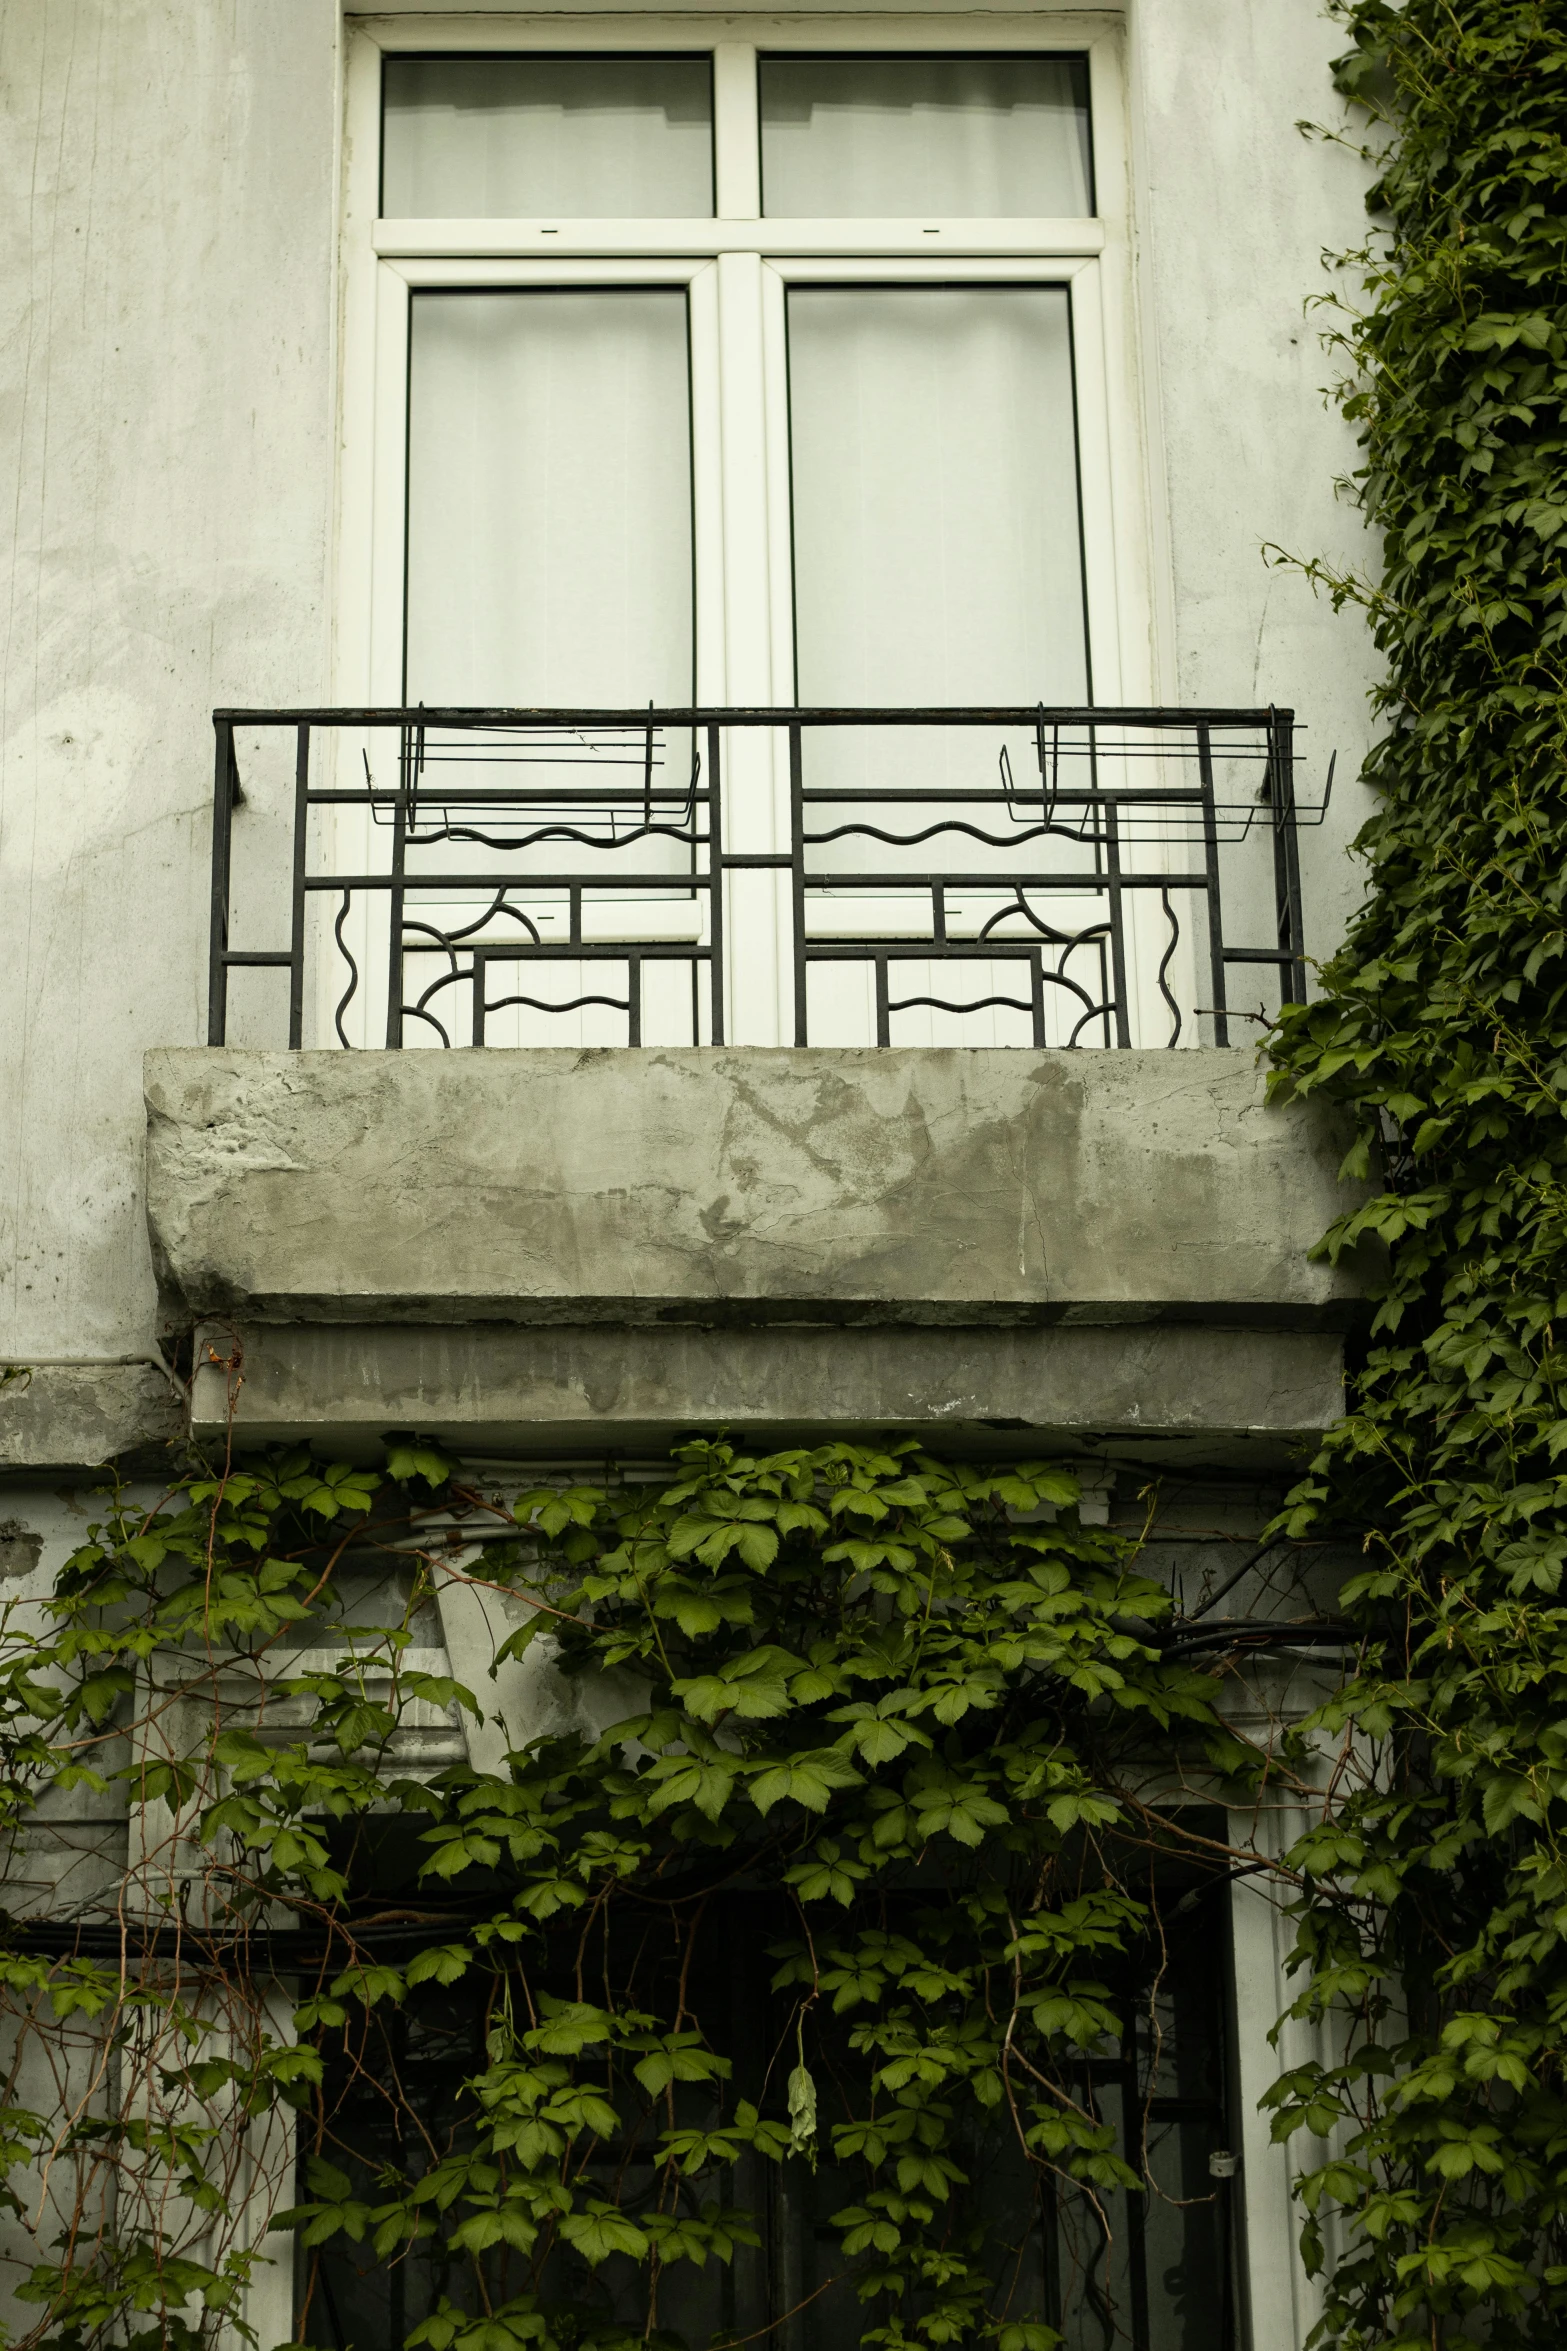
(1435, 1930)
(896, 1716)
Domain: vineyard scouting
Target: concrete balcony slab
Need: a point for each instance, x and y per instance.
(966, 1188)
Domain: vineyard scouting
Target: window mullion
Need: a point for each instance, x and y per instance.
(755, 814)
(737, 168)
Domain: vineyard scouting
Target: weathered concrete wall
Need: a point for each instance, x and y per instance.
(1159, 1394)
(941, 1185)
(1235, 211)
(167, 298)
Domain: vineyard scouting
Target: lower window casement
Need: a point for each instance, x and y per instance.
(1110, 2269)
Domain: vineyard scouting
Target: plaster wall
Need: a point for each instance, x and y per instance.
(1238, 212)
(167, 378)
(166, 385)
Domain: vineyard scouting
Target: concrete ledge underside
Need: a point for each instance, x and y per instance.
(945, 1187)
(1153, 1392)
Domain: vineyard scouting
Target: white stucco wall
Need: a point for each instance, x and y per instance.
(166, 373)
(1236, 210)
(167, 362)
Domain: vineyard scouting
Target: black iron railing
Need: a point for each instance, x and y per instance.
(446, 869)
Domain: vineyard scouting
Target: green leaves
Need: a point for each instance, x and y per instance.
(601, 2230)
(1433, 1914)
(702, 1539)
(946, 1805)
(805, 1779)
(855, 1681)
(753, 1685)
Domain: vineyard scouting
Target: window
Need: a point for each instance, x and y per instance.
(1110, 2269)
(738, 375)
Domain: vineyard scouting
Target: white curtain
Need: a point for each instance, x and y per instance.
(605, 138)
(937, 543)
(549, 498)
(938, 559)
(955, 137)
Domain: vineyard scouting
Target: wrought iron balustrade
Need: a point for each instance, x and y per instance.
(483, 876)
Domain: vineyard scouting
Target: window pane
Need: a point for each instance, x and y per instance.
(590, 138)
(961, 137)
(549, 498)
(937, 547)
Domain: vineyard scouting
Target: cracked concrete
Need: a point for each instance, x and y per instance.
(954, 1187)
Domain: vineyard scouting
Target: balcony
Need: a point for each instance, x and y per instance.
(1046, 878)
(794, 1072)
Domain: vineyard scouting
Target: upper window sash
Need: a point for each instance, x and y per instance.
(997, 136)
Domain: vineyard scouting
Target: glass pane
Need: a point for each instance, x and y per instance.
(937, 547)
(938, 561)
(957, 137)
(549, 498)
(589, 138)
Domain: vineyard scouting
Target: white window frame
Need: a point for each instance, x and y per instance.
(743, 650)
(736, 268)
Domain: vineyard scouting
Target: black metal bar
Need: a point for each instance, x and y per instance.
(1113, 891)
(296, 911)
(1002, 881)
(998, 880)
(592, 795)
(1286, 856)
(553, 950)
(481, 989)
(859, 950)
(797, 883)
(634, 996)
(222, 837)
(946, 1004)
(1090, 796)
(505, 795)
(1036, 973)
(715, 885)
(1210, 836)
(883, 1015)
(394, 914)
(470, 720)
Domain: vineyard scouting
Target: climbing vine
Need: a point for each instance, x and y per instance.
(808, 1848)
(1437, 1928)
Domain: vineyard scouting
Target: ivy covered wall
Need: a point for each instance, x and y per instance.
(1443, 1020)
(827, 1938)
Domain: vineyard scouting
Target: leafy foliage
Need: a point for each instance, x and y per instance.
(890, 1714)
(1440, 1902)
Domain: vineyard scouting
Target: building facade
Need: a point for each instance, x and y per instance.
(660, 770)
